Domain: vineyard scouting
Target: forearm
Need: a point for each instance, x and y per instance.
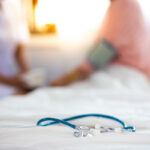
(12, 80)
(80, 73)
(21, 58)
(4, 79)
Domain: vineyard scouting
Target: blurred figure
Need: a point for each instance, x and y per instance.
(13, 36)
(123, 39)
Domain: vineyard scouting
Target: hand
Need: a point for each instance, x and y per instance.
(18, 81)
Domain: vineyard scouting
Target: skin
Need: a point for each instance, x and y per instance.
(80, 73)
(23, 65)
(21, 58)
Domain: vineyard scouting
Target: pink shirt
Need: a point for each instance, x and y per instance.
(124, 26)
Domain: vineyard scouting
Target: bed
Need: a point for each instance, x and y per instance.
(117, 90)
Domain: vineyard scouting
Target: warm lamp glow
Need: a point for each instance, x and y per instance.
(45, 12)
(70, 16)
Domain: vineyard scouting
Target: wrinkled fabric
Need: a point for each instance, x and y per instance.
(117, 90)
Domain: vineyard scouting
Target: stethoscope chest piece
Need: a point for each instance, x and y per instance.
(82, 131)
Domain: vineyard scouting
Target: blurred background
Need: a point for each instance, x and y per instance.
(62, 31)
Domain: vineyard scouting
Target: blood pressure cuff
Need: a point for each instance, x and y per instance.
(102, 54)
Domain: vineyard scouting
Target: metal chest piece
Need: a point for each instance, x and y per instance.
(81, 131)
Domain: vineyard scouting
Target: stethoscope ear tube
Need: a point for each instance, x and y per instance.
(40, 122)
(65, 121)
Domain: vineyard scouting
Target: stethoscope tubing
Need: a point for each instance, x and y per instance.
(65, 120)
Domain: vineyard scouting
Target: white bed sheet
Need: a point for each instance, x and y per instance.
(117, 90)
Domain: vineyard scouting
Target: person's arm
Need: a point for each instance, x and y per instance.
(22, 62)
(21, 58)
(101, 55)
(2, 78)
(11, 81)
(80, 73)
(5, 80)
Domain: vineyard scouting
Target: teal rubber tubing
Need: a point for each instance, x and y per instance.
(64, 121)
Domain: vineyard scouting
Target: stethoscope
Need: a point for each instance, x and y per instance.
(83, 131)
